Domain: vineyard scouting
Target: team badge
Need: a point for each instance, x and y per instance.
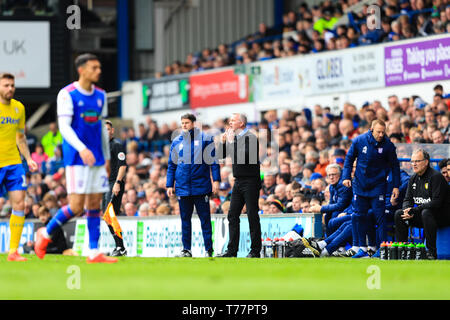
(381, 198)
(380, 150)
(206, 198)
(196, 143)
(99, 102)
(121, 156)
(80, 103)
(364, 150)
(17, 110)
(426, 186)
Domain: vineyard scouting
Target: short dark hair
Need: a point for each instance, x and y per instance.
(189, 116)
(82, 59)
(6, 75)
(443, 163)
(438, 87)
(108, 122)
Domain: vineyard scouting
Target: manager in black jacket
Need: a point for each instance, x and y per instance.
(426, 204)
(243, 148)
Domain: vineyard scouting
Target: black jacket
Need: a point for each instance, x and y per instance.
(429, 191)
(118, 158)
(244, 153)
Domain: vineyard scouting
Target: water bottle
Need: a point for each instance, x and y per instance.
(263, 248)
(269, 248)
(389, 246)
(394, 251)
(401, 251)
(420, 251)
(384, 251)
(281, 248)
(275, 247)
(410, 251)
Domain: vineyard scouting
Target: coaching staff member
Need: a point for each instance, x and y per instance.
(426, 204)
(192, 159)
(116, 184)
(376, 156)
(243, 148)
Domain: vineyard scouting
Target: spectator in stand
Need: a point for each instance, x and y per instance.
(51, 139)
(40, 158)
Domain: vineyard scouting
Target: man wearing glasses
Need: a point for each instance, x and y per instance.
(426, 204)
(340, 198)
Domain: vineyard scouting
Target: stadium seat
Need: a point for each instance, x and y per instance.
(443, 243)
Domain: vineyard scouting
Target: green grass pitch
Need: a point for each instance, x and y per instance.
(223, 279)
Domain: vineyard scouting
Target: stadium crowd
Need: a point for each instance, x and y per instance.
(320, 28)
(308, 141)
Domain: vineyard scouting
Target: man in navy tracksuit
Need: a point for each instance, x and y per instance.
(376, 156)
(340, 198)
(192, 159)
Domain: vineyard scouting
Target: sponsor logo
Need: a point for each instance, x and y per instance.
(364, 150)
(8, 120)
(90, 116)
(420, 200)
(121, 156)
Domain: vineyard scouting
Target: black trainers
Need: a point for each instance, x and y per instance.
(119, 252)
(209, 253)
(348, 254)
(312, 246)
(431, 256)
(253, 255)
(227, 254)
(371, 252)
(185, 254)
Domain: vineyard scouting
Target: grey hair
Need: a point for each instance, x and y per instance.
(425, 154)
(333, 166)
(242, 118)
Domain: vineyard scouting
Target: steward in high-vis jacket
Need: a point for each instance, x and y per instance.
(191, 161)
(376, 157)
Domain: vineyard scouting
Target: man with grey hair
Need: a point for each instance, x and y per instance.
(426, 204)
(340, 198)
(243, 148)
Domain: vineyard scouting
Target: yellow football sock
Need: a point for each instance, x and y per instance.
(16, 223)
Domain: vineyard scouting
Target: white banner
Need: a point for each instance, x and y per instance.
(161, 237)
(282, 79)
(318, 74)
(347, 70)
(25, 52)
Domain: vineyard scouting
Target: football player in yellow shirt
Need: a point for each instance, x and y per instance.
(12, 173)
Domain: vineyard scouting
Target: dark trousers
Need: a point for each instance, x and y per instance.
(116, 202)
(335, 222)
(245, 191)
(201, 204)
(427, 219)
(339, 237)
(362, 221)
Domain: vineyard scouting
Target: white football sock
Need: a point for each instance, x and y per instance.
(93, 253)
(355, 248)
